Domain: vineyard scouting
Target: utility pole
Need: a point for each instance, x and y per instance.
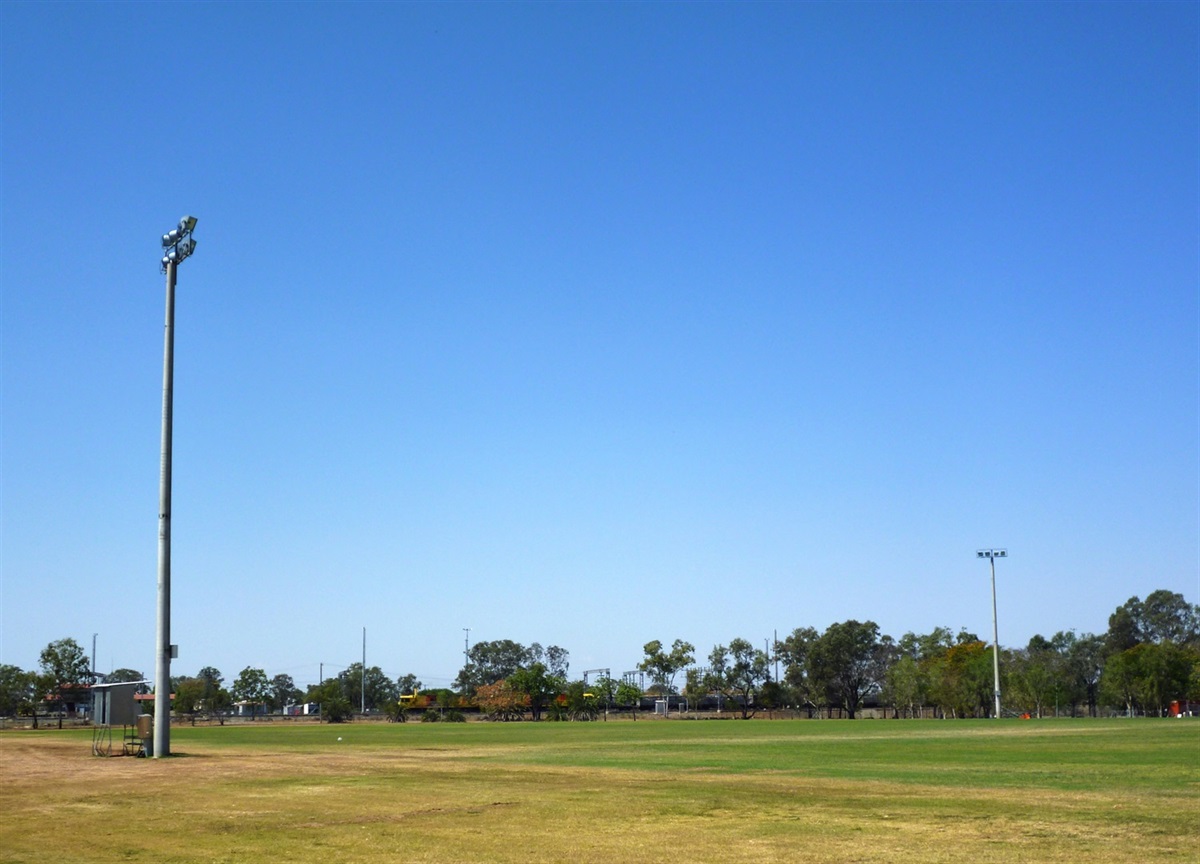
(363, 677)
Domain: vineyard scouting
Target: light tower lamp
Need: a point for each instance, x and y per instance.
(992, 555)
(177, 244)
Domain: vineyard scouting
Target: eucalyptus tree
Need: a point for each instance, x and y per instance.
(848, 661)
(377, 691)
(663, 665)
(796, 653)
(283, 692)
(538, 684)
(738, 671)
(66, 672)
(252, 688)
(628, 695)
(16, 690)
(489, 662)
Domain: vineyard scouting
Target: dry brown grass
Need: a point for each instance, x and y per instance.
(407, 804)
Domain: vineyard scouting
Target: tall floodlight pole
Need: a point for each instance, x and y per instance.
(177, 245)
(992, 555)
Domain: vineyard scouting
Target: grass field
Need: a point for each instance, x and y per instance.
(1081, 791)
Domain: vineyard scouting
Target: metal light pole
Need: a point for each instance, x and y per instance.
(992, 555)
(177, 245)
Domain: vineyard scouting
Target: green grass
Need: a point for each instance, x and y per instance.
(1100, 791)
(1062, 754)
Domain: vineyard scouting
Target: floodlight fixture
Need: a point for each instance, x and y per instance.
(992, 555)
(178, 242)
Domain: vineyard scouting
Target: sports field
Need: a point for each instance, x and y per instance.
(1079, 791)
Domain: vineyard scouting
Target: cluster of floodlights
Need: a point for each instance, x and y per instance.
(178, 243)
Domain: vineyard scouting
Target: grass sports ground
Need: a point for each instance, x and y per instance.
(1079, 791)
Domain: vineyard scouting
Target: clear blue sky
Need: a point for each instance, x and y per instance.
(592, 324)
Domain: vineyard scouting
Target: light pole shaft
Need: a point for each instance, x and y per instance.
(162, 675)
(995, 640)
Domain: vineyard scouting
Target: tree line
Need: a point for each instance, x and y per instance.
(1147, 659)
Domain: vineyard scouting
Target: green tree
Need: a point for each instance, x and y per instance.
(16, 690)
(581, 701)
(118, 676)
(189, 697)
(961, 680)
(283, 692)
(922, 646)
(1165, 672)
(1035, 676)
(605, 689)
(695, 686)
(1085, 665)
(738, 671)
(379, 690)
(555, 659)
(253, 688)
(407, 685)
(489, 662)
(1168, 617)
(1164, 616)
(662, 666)
(538, 685)
(848, 661)
(1119, 684)
(796, 653)
(905, 685)
(335, 707)
(1124, 627)
(66, 672)
(212, 678)
(629, 696)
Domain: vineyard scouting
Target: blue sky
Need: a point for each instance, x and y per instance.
(592, 324)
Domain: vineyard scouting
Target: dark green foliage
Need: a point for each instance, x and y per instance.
(65, 673)
(489, 662)
(335, 707)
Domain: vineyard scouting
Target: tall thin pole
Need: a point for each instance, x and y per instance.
(162, 675)
(995, 638)
(363, 678)
(776, 656)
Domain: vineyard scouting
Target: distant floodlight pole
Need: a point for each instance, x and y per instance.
(992, 555)
(177, 245)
